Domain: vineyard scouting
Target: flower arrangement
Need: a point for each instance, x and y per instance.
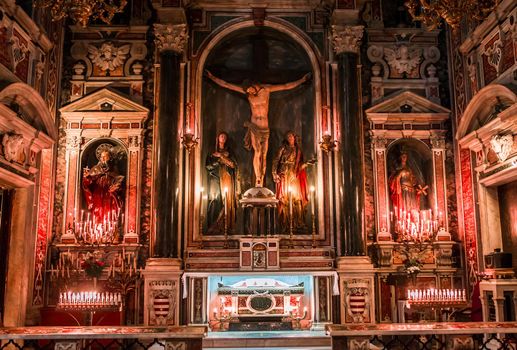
(93, 267)
(412, 266)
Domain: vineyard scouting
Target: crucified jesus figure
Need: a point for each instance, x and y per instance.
(257, 136)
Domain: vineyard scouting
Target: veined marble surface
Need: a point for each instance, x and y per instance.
(270, 334)
(102, 332)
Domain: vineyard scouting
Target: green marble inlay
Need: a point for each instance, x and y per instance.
(215, 22)
(300, 22)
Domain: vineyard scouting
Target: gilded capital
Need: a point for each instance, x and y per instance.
(170, 37)
(346, 38)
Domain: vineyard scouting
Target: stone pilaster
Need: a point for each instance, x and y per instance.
(346, 41)
(170, 42)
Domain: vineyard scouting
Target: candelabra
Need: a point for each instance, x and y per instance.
(222, 317)
(189, 141)
(313, 216)
(431, 13)
(90, 302)
(326, 143)
(82, 11)
(290, 191)
(91, 231)
(436, 297)
(296, 317)
(415, 225)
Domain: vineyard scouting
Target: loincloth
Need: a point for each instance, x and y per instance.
(260, 134)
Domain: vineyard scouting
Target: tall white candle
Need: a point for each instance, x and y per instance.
(312, 199)
(225, 202)
(289, 189)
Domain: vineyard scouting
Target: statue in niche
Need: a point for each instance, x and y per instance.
(223, 186)
(257, 136)
(290, 179)
(102, 186)
(406, 186)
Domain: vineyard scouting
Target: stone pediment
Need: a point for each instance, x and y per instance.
(406, 106)
(104, 100)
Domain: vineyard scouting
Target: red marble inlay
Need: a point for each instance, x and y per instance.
(5, 54)
(440, 181)
(272, 260)
(246, 258)
(120, 126)
(72, 180)
(469, 215)
(346, 4)
(381, 191)
(43, 228)
(132, 192)
(91, 126)
(22, 68)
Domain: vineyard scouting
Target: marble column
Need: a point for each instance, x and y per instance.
(346, 41)
(170, 41)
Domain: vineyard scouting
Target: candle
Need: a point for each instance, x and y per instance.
(290, 201)
(225, 202)
(201, 190)
(312, 199)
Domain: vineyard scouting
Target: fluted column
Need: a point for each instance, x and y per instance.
(346, 41)
(170, 41)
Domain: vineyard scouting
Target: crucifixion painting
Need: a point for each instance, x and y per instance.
(257, 135)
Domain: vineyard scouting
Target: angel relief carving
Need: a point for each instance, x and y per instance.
(108, 57)
(402, 59)
(14, 150)
(502, 145)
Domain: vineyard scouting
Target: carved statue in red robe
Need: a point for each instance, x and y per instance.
(102, 187)
(291, 182)
(406, 188)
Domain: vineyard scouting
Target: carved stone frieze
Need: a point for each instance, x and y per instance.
(134, 143)
(359, 343)
(175, 345)
(108, 56)
(379, 142)
(73, 142)
(494, 55)
(170, 37)
(66, 345)
(438, 142)
(14, 148)
(502, 145)
(403, 59)
(346, 38)
(19, 51)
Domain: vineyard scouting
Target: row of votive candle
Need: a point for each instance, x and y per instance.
(89, 299)
(436, 295)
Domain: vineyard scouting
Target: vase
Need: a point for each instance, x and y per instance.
(413, 279)
(95, 283)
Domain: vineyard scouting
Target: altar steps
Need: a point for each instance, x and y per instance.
(274, 340)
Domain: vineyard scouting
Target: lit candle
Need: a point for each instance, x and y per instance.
(289, 190)
(201, 190)
(225, 202)
(312, 199)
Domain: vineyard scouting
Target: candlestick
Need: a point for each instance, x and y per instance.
(313, 190)
(290, 192)
(313, 216)
(225, 192)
